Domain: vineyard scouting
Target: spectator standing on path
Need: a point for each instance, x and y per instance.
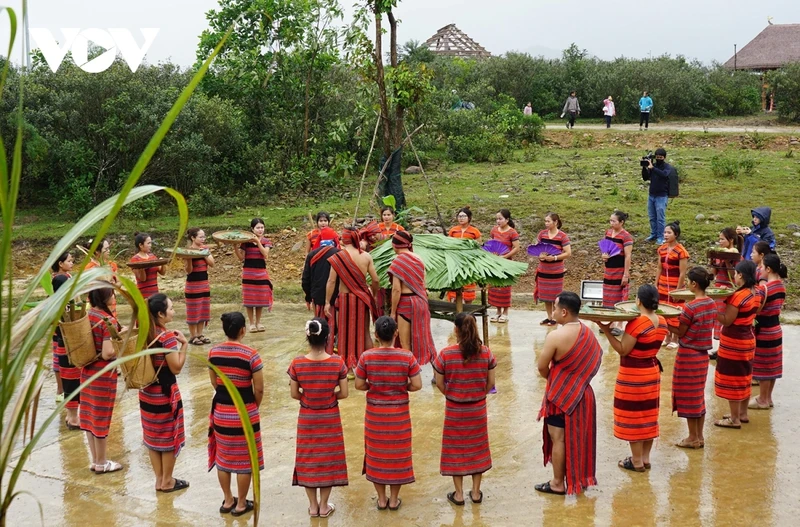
(659, 176)
(528, 110)
(572, 108)
(645, 107)
(609, 110)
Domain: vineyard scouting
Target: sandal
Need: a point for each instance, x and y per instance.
(248, 506)
(331, 510)
(399, 502)
(71, 426)
(196, 341)
(225, 510)
(493, 318)
(451, 497)
(253, 328)
(627, 464)
(755, 405)
(502, 319)
(108, 466)
(545, 322)
(205, 339)
(262, 329)
(688, 444)
(313, 515)
(743, 421)
(545, 488)
(473, 499)
(180, 484)
(385, 506)
(727, 422)
(552, 323)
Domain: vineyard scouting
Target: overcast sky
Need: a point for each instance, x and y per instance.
(702, 29)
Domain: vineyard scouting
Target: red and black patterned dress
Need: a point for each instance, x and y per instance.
(501, 296)
(227, 444)
(256, 285)
(670, 258)
(768, 360)
(387, 421)
(320, 459)
(550, 275)
(737, 346)
(70, 375)
(465, 437)
(691, 363)
(160, 404)
(97, 399)
(198, 293)
(614, 291)
(150, 285)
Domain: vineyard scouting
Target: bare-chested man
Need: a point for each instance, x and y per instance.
(410, 299)
(569, 360)
(356, 301)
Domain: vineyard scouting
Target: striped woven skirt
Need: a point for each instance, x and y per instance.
(162, 419)
(320, 459)
(465, 439)
(500, 296)
(227, 445)
(717, 324)
(97, 399)
(256, 288)
(733, 376)
(416, 311)
(768, 360)
(467, 294)
(352, 327)
(387, 445)
(70, 375)
(319, 312)
(198, 302)
(549, 281)
(689, 377)
(380, 300)
(636, 400)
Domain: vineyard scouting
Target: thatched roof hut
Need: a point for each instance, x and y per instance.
(776, 46)
(450, 41)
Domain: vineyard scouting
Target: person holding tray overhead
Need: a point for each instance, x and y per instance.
(256, 286)
(197, 290)
(146, 279)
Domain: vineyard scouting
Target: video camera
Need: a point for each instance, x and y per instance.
(650, 157)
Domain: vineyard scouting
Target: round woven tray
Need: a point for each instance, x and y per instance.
(185, 252)
(234, 237)
(605, 314)
(146, 264)
(664, 310)
(712, 292)
(730, 256)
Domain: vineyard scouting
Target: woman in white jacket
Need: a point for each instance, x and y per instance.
(609, 110)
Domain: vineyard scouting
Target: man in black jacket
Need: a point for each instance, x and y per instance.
(659, 176)
(316, 271)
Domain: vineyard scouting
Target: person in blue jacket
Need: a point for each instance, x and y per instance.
(645, 107)
(759, 232)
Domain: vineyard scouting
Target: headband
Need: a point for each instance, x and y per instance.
(402, 240)
(351, 237)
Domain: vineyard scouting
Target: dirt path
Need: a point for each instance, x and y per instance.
(692, 127)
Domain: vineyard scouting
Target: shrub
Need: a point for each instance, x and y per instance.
(76, 197)
(206, 201)
(478, 148)
(143, 208)
(730, 166)
(532, 129)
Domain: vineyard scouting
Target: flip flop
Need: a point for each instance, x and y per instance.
(451, 497)
(331, 510)
(180, 484)
(71, 427)
(545, 322)
(107, 467)
(545, 488)
(627, 464)
(225, 510)
(726, 422)
(473, 499)
(385, 506)
(399, 502)
(493, 318)
(502, 319)
(248, 506)
(313, 515)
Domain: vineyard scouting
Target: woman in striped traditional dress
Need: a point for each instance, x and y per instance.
(256, 285)
(760, 250)
(638, 386)
(68, 377)
(320, 461)
(768, 360)
(695, 327)
(729, 241)
(504, 231)
(673, 262)
(550, 271)
(322, 219)
(102, 257)
(197, 290)
(465, 374)
(160, 404)
(227, 443)
(737, 346)
(146, 279)
(97, 399)
(464, 230)
(617, 269)
(387, 374)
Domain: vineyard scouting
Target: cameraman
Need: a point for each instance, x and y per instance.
(659, 177)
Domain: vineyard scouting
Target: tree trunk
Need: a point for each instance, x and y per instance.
(397, 125)
(379, 78)
(305, 115)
